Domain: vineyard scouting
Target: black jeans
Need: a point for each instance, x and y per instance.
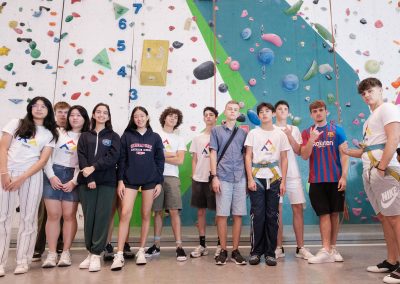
(264, 215)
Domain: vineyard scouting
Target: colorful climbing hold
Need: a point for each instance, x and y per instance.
(75, 96)
(4, 51)
(312, 71)
(290, 82)
(294, 8)
(35, 53)
(102, 59)
(246, 33)
(372, 66)
(9, 66)
(324, 32)
(272, 38)
(234, 65)
(78, 61)
(253, 117)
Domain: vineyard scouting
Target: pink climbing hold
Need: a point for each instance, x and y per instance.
(234, 65)
(244, 14)
(252, 82)
(228, 60)
(361, 115)
(193, 38)
(251, 49)
(347, 12)
(273, 38)
(356, 211)
(398, 100)
(378, 24)
(171, 28)
(18, 31)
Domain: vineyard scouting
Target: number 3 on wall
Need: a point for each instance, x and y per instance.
(121, 45)
(133, 94)
(122, 24)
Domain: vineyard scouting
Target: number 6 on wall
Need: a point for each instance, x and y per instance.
(122, 24)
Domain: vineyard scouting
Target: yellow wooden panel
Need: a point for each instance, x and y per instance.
(153, 70)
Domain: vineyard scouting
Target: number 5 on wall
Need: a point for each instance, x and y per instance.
(121, 45)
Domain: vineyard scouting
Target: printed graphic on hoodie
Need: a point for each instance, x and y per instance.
(141, 148)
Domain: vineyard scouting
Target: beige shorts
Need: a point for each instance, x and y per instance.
(170, 196)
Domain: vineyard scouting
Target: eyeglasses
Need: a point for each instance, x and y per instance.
(37, 106)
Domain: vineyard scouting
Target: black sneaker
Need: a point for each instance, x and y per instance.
(37, 256)
(221, 258)
(254, 259)
(384, 266)
(128, 254)
(180, 254)
(270, 261)
(108, 252)
(152, 251)
(393, 277)
(238, 258)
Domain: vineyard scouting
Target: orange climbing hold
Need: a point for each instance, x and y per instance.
(53, 13)
(75, 96)
(396, 83)
(52, 24)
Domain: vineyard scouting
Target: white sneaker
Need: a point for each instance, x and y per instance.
(65, 259)
(86, 263)
(338, 257)
(217, 251)
(140, 257)
(279, 252)
(323, 256)
(21, 268)
(2, 272)
(95, 264)
(199, 251)
(303, 253)
(118, 261)
(51, 260)
(393, 277)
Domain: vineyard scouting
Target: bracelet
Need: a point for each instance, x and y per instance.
(380, 169)
(5, 173)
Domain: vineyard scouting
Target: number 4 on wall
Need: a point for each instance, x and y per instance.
(122, 71)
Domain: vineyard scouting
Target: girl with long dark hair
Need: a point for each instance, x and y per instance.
(141, 166)
(26, 145)
(98, 153)
(59, 192)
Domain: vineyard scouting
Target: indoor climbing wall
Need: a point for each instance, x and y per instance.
(160, 53)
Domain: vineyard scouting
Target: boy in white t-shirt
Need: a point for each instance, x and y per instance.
(294, 188)
(381, 170)
(202, 196)
(266, 168)
(170, 197)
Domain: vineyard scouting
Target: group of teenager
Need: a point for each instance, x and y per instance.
(84, 160)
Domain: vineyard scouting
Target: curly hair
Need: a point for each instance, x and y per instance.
(169, 111)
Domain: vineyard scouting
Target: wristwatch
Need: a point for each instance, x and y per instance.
(212, 177)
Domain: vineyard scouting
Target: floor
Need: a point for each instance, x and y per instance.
(360, 246)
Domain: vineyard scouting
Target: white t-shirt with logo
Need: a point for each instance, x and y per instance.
(374, 131)
(201, 146)
(65, 153)
(23, 153)
(293, 168)
(172, 143)
(267, 147)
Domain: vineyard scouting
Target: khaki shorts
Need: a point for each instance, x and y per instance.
(170, 196)
(383, 192)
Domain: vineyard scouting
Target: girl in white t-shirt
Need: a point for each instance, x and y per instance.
(59, 193)
(25, 147)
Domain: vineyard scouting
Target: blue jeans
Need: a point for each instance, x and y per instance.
(65, 174)
(264, 215)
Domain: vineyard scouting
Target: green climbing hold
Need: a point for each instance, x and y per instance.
(312, 71)
(119, 10)
(9, 66)
(102, 59)
(32, 45)
(63, 35)
(78, 61)
(35, 53)
(30, 89)
(331, 98)
(294, 9)
(69, 18)
(29, 30)
(324, 32)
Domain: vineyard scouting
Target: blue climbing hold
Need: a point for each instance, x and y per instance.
(253, 117)
(246, 33)
(290, 82)
(266, 56)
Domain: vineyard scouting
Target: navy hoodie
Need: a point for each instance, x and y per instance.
(104, 160)
(142, 158)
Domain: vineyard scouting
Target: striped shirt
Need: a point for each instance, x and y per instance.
(324, 161)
